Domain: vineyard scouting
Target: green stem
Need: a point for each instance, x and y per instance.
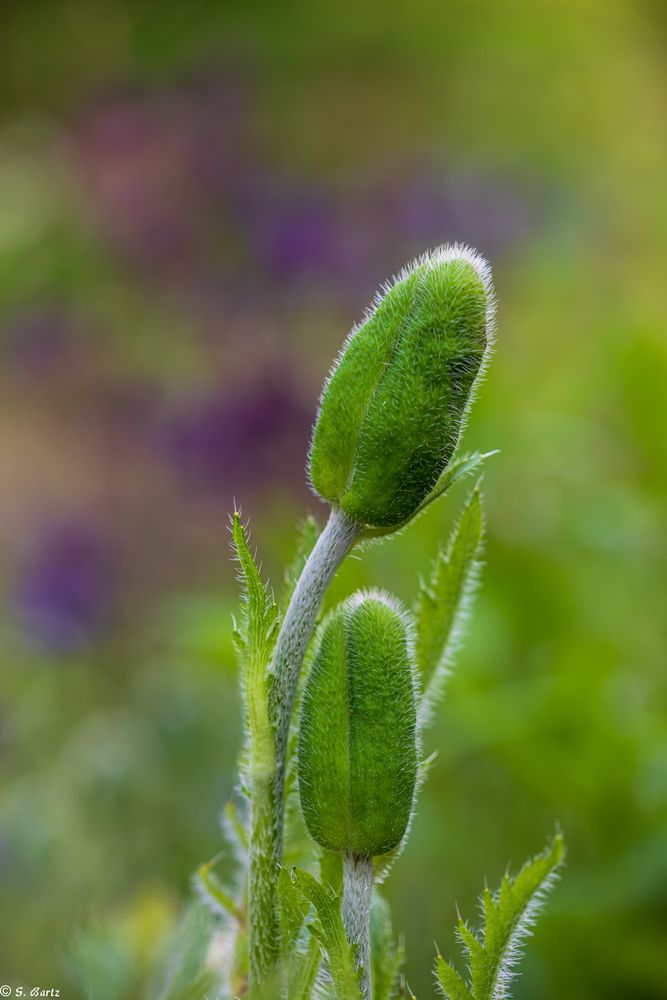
(268, 798)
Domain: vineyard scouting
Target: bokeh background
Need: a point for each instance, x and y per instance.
(196, 202)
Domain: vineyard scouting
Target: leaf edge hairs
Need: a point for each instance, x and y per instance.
(295, 924)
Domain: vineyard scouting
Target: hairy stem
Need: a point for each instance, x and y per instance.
(268, 798)
(357, 888)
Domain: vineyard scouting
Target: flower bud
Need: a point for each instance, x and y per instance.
(357, 757)
(394, 405)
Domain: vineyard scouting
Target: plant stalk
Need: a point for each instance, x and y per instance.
(268, 798)
(357, 889)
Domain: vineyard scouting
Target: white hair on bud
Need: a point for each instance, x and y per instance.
(443, 254)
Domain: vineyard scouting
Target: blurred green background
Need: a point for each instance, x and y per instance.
(196, 202)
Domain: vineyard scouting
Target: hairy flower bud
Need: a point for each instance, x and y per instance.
(394, 405)
(357, 755)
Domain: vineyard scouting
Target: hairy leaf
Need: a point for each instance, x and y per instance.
(255, 638)
(492, 953)
(387, 956)
(444, 601)
(217, 896)
(327, 929)
(458, 468)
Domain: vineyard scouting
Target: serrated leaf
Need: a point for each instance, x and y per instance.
(443, 603)
(307, 534)
(387, 956)
(219, 898)
(461, 467)
(509, 913)
(255, 639)
(450, 982)
(302, 971)
(292, 910)
(327, 929)
(301, 965)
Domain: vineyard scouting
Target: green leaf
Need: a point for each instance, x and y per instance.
(327, 929)
(461, 467)
(301, 965)
(443, 603)
(255, 639)
(458, 469)
(101, 962)
(187, 977)
(292, 910)
(307, 534)
(492, 954)
(450, 983)
(387, 956)
(214, 893)
(302, 971)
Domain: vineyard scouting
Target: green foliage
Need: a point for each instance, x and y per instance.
(327, 929)
(392, 411)
(187, 976)
(387, 955)
(302, 962)
(219, 897)
(444, 601)
(101, 964)
(255, 638)
(509, 913)
(357, 754)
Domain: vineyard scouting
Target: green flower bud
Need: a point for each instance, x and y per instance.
(392, 410)
(357, 755)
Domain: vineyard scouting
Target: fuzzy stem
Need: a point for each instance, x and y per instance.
(268, 799)
(357, 889)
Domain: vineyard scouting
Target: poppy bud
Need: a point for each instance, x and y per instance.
(357, 756)
(393, 408)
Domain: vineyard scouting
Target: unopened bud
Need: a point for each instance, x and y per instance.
(357, 757)
(395, 403)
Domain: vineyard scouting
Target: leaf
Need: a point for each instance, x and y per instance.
(214, 893)
(292, 910)
(102, 964)
(255, 639)
(307, 534)
(509, 914)
(387, 957)
(457, 469)
(187, 977)
(327, 929)
(444, 601)
(301, 966)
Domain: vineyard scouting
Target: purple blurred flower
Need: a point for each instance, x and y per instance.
(159, 167)
(233, 439)
(64, 593)
(293, 229)
(40, 340)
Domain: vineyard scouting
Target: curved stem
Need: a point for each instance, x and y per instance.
(268, 799)
(357, 889)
